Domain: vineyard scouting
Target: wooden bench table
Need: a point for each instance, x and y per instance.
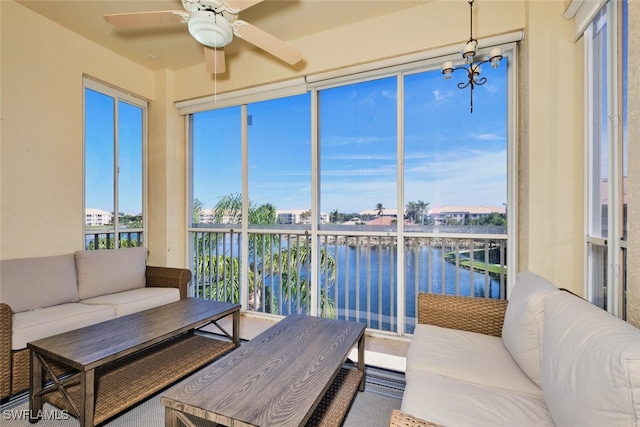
(122, 361)
(293, 374)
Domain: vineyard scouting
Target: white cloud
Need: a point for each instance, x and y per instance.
(487, 137)
(440, 96)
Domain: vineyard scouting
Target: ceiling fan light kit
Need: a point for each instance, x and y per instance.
(209, 29)
(472, 67)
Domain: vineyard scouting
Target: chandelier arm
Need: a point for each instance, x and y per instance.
(463, 85)
(480, 82)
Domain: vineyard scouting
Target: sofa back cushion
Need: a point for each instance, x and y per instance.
(590, 364)
(30, 283)
(102, 272)
(523, 323)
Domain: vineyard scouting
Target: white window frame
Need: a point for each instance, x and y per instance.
(400, 66)
(613, 242)
(118, 95)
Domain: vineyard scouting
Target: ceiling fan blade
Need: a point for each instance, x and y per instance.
(241, 5)
(267, 42)
(214, 60)
(129, 20)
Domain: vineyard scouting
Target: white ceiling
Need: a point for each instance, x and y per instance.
(171, 46)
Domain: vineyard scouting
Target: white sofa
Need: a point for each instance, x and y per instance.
(559, 361)
(45, 296)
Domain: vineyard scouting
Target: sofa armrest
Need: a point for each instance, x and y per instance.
(167, 277)
(401, 419)
(5, 350)
(483, 315)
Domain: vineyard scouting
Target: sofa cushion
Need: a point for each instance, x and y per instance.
(33, 325)
(590, 364)
(102, 272)
(135, 300)
(452, 402)
(466, 356)
(522, 331)
(30, 283)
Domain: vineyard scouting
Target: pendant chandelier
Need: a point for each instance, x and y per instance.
(472, 65)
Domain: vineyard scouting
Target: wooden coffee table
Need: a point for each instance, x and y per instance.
(279, 378)
(122, 361)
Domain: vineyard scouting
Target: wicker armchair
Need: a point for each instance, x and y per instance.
(481, 315)
(14, 364)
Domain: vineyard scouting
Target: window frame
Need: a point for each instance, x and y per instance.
(612, 246)
(119, 96)
(396, 67)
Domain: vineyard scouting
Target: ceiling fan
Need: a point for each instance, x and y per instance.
(213, 23)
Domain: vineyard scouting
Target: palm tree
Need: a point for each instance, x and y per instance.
(379, 209)
(266, 258)
(334, 216)
(422, 208)
(412, 211)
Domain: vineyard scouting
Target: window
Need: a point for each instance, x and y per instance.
(606, 122)
(217, 167)
(348, 199)
(114, 179)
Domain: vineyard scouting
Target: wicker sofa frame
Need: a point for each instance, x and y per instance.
(481, 315)
(14, 364)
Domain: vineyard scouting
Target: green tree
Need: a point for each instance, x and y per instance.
(422, 208)
(494, 218)
(266, 258)
(334, 216)
(379, 209)
(412, 211)
(197, 209)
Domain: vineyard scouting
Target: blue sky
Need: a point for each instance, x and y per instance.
(451, 157)
(100, 120)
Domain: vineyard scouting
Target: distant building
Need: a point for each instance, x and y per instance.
(97, 217)
(207, 216)
(461, 214)
(291, 216)
(298, 216)
(393, 213)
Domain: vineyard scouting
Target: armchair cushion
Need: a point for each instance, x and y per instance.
(590, 364)
(134, 300)
(45, 322)
(104, 272)
(522, 331)
(445, 352)
(31, 283)
(452, 402)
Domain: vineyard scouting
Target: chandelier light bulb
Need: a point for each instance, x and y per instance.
(495, 56)
(469, 51)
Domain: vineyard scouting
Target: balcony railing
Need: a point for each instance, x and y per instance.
(106, 238)
(358, 276)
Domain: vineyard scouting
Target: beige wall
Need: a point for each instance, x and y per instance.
(41, 135)
(41, 104)
(551, 173)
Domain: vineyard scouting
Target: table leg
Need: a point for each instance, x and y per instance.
(361, 361)
(170, 418)
(236, 328)
(35, 387)
(87, 399)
